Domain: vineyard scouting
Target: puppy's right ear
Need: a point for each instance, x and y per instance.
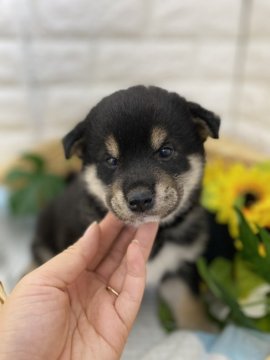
(206, 121)
(73, 141)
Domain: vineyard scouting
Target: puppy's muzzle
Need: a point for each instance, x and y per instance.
(140, 199)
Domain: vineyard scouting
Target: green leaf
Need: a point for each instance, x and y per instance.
(16, 175)
(22, 202)
(166, 317)
(220, 292)
(263, 324)
(221, 270)
(36, 187)
(206, 276)
(37, 161)
(265, 166)
(265, 238)
(239, 202)
(250, 241)
(246, 280)
(32, 198)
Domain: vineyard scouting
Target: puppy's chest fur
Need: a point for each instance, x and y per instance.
(178, 243)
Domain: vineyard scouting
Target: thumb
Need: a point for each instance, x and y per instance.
(65, 268)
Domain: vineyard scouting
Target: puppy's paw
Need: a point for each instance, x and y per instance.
(188, 310)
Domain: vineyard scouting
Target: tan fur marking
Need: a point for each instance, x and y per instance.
(158, 137)
(117, 201)
(112, 146)
(187, 182)
(203, 129)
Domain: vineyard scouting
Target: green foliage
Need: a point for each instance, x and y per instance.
(263, 323)
(233, 281)
(166, 317)
(246, 280)
(31, 189)
(265, 166)
(223, 292)
(251, 241)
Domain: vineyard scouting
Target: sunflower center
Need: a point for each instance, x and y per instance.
(250, 199)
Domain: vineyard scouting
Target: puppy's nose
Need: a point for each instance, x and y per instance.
(140, 199)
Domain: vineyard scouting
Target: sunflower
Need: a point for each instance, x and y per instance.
(227, 186)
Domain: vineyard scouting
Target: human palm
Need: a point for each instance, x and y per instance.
(63, 310)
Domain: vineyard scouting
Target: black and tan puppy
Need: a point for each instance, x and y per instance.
(143, 158)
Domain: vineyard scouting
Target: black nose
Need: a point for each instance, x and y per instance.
(140, 199)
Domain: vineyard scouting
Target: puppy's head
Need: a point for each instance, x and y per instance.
(142, 152)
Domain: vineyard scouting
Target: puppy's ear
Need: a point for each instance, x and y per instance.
(207, 122)
(72, 142)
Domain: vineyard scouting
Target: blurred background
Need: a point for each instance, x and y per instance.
(59, 57)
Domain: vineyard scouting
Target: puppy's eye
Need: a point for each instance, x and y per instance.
(165, 152)
(112, 162)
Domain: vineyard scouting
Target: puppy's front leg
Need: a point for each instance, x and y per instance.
(187, 308)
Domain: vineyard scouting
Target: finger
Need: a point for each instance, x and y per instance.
(116, 253)
(65, 268)
(110, 228)
(128, 302)
(145, 235)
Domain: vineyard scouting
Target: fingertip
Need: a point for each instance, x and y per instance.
(146, 235)
(110, 217)
(111, 226)
(91, 228)
(152, 227)
(91, 236)
(148, 230)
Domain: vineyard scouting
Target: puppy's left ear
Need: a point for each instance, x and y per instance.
(207, 122)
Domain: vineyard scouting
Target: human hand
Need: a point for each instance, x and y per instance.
(62, 310)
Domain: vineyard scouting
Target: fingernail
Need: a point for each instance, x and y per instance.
(135, 241)
(90, 227)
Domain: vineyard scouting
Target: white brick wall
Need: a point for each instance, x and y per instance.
(202, 19)
(61, 61)
(59, 57)
(260, 25)
(88, 18)
(11, 62)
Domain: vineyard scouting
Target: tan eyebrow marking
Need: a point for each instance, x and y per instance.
(112, 146)
(158, 137)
